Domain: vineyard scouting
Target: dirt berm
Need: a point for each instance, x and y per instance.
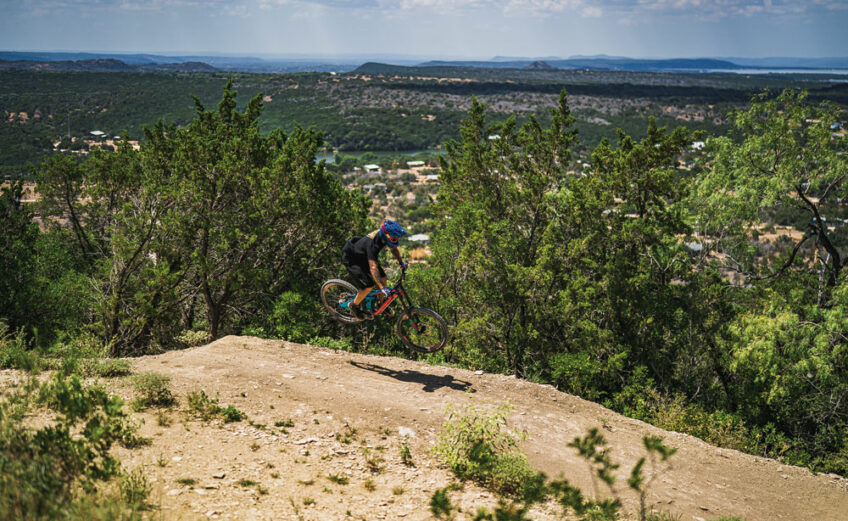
(341, 418)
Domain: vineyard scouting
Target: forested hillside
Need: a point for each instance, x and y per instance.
(377, 108)
(709, 299)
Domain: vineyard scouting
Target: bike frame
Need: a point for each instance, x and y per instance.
(398, 292)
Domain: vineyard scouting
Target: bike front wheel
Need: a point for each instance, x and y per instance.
(336, 295)
(423, 330)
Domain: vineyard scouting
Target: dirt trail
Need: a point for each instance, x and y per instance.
(322, 390)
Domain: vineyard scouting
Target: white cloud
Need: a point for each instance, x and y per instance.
(702, 9)
(592, 12)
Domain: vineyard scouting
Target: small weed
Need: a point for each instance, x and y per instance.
(271, 407)
(284, 423)
(327, 490)
(374, 463)
(308, 501)
(246, 483)
(163, 419)
(398, 491)
(131, 439)
(262, 490)
(188, 482)
(254, 446)
(135, 488)
(440, 504)
(162, 461)
(406, 453)
(369, 485)
(275, 475)
(259, 426)
(339, 480)
(306, 482)
(315, 421)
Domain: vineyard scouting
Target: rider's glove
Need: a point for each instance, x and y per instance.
(386, 292)
(404, 265)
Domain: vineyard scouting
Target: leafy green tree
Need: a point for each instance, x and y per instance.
(495, 205)
(253, 216)
(781, 155)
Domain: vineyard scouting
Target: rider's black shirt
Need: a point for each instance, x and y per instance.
(359, 250)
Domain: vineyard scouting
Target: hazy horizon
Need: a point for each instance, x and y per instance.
(427, 29)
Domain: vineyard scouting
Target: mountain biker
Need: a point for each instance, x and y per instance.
(361, 258)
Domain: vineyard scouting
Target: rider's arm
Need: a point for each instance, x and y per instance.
(396, 253)
(375, 273)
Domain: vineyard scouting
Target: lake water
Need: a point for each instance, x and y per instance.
(783, 71)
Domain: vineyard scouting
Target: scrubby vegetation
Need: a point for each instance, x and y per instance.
(704, 292)
(64, 469)
(477, 444)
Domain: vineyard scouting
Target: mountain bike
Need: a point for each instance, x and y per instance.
(421, 329)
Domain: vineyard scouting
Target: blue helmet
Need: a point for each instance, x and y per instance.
(391, 231)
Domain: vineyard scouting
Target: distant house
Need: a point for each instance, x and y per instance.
(97, 133)
(379, 187)
(420, 237)
(493, 137)
(415, 164)
(372, 169)
(835, 126)
(698, 145)
(432, 177)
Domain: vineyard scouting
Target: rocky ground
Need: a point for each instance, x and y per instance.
(324, 431)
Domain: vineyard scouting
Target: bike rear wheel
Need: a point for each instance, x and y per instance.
(336, 294)
(423, 330)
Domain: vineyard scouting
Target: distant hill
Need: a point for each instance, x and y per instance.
(104, 65)
(603, 63)
(539, 65)
(219, 62)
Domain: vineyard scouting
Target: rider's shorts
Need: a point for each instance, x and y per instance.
(362, 274)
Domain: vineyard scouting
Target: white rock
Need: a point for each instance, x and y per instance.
(219, 475)
(478, 371)
(406, 431)
(288, 376)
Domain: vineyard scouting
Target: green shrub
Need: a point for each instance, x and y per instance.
(191, 338)
(200, 405)
(341, 344)
(51, 471)
(14, 352)
(152, 391)
(478, 445)
(230, 414)
(206, 408)
(105, 368)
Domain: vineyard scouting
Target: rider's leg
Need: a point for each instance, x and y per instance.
(360, 296)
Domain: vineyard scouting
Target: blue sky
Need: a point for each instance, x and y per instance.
(432, 28)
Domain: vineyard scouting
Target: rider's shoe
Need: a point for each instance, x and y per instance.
(357, 311)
